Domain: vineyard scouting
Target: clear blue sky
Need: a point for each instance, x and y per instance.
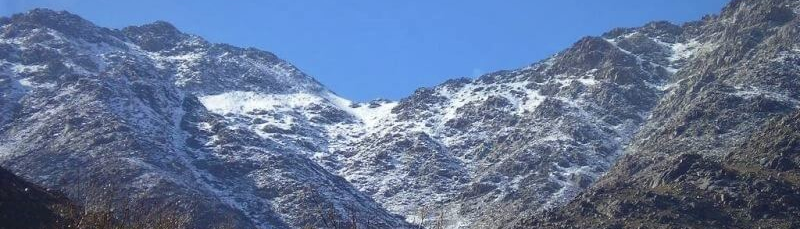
(365, 49)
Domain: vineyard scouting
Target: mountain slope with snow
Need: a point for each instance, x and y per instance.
(513, 141)
(721, 149)
(99, 112)
(521, 141)
(270, 145)
(239, 137)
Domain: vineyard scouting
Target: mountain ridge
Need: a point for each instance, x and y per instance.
(687, 167)
(159, 115)
(176, 58)
(133, 124)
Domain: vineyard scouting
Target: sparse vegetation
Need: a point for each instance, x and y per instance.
(133, 216)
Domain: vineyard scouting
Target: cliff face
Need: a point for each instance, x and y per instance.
(722, 149)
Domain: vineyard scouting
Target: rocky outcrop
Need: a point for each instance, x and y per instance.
(719, 150)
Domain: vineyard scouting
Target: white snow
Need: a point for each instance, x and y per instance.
(587, 81)
(280, 108)
(749, 92)
(371, 117)
(242, 102)
(25, 82)
(522, 99)
(533, 100)
(23, 69)
(681, 51)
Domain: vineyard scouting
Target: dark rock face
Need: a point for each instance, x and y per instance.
(720, 150)
(25, 205)
(155, 37)
(742, 190)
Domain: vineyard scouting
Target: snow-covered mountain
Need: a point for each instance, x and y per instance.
(721, 149)
(239, 137)
(155, 114)
(486, 150)
(156, 109)
(477, 150)
(119, 114)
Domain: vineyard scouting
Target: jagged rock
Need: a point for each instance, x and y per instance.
(726, 134)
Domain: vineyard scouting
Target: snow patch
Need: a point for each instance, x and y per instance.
(681, 51)
(243, 102)
(753, 92)
(587, 81)
(368, 114)
(26, 69)
(28, 84)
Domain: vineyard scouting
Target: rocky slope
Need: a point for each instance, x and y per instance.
(149, 113)
(479, 151)
(238, 137)
(721, 150)
(115, 113)
(482, 151)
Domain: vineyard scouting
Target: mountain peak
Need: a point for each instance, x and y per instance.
(159, 26)
(235, 133)
(46, 15)
(62, 21)
(156, 36)
(759, 11)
